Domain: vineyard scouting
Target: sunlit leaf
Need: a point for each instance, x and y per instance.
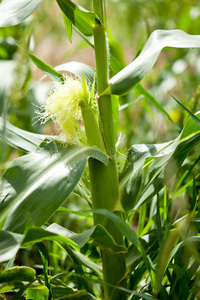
(161, 162)
(139, 88)
(47, 69)
(80, 295)
(7, 68)
(44, 257)
(10, 244)
(15, 278)
(18, 138)
(35, 185)
(77, 68)
(59, 290)
(127, 78)
(98, 235)
(150, 244)
(67, 237)
(68, 26)
(188, 111)
(131, 176)
(37, 292)
(126, 231)
(82, 19)
(13, 12)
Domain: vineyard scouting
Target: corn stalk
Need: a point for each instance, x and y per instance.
(104, 179)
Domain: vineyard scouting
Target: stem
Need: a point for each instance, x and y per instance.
(104, 179)
(101, 50)
(98, 7)
(94, 137)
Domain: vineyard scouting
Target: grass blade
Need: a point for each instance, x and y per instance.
(132, 74)
(12, 14)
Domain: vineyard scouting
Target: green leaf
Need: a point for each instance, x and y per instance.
(47, 69)
(59, 290)
(78, 69)
(157, 163)
(75, 212)
(18, 138)
(12, 14)
(10, 244)
(127, 78)
(134, 256)
(74, 67)
(35, 185)
(39, 292)
(44, 257)
(187, 110)
(98, 235)
(15, 278)
(131, 176)
(36, 235)
(82, 19)
(81, 280)
(85, 261)
(80, 295)
(189, 241)
(127, 232)
(7, 68)
(59, 234)
(139, 88)
(68, 26)
(115, 114)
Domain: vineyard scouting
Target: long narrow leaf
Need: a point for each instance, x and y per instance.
(13, 12)
(127, 78)
(82, 19)
(17, 274)
(80, 295)
(97, 234)
(7, 68)
(10, 244)
(47, 69)
(187, 110)
(139, 88)
(37, 292)
(78, 69)
(18, 138)
(127, 232)
(161, 162)
(35, 185)
(74, 67)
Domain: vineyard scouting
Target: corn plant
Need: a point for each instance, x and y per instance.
(161, 260)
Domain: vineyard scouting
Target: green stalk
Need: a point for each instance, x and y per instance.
(104, 179)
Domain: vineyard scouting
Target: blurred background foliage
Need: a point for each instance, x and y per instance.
(129, 24)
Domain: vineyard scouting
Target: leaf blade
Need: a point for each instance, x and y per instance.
(161, 159)
(18, 138)
(82, 19)
(44, 180)
(12, 14)
(132, 74)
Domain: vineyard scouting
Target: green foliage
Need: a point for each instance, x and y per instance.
(127, 78)
(137, 175)
(51, 163)
(14, 14)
